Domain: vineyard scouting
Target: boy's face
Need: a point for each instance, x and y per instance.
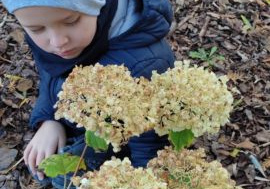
(59, 31)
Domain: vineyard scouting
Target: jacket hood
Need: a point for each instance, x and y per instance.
(153, 23)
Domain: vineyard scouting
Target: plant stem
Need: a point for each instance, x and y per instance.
(65, 181)
(78, 165)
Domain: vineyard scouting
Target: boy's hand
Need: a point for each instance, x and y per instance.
(50, 137)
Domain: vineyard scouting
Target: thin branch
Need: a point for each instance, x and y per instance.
(78, 165)
(15, 165)
(6, 60)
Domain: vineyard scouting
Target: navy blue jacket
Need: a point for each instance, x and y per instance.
(142, 49)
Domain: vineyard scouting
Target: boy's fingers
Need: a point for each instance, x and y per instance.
(40, 175)
(26, 153)
(40, 157)
(32, 161)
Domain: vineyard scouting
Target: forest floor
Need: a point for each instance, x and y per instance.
(239, 32)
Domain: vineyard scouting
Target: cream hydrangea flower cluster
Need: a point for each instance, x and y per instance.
(170, 170)
(119, 174)
(189, 98)
(189, 169)
(108, 101)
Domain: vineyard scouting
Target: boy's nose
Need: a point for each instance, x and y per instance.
(58, 41)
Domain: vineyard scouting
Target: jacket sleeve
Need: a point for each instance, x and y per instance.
(43, 109)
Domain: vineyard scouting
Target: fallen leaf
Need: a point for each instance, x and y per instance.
(9, 102)
(17, 35)
(267, 44)
(246, 144)
(232, 169)
(261, 3)
(250, 173)
(24, 84)
(11, 140)
(235, 76)
(235, 152)
(10, 184)
(263, 136)
(3, 46)
(249, 114)
(243, 56)
(2, 111)
(266, 60)
(222, 139)
(229, 45)
(224, 152)
(234, 23)
(7, 156)
(243, 87)
(266, 163)
(224, 3)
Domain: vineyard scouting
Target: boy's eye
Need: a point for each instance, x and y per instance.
(73, 22)
(36, 30)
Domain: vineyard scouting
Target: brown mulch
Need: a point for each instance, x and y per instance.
(198, 24)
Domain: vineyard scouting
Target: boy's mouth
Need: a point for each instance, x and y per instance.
(66, 53)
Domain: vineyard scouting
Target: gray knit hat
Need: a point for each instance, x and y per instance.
(90, 7)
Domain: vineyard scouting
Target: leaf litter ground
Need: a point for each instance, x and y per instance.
(238, 28)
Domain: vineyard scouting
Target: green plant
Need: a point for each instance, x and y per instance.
(61, 164)
(247, 25)
(209, 56)
(181, 139)
(97, 143)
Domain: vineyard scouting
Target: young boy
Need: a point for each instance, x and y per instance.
(65, 33)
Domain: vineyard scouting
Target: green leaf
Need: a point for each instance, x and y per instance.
(220, 57)
(246, 21)
(181, 139)
(196, 55)
(99, 144)
(213, 50)
(268, 2)
(235, 152)
(203, 53)
(247, 24)
(60, 164)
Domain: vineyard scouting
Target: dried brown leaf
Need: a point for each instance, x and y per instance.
(24, 84)
(234, 76)
(2, 111)
(17, 35)
(263, 136)
(3, 46)
(266, 163)
(9, 102)
(246, 144)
